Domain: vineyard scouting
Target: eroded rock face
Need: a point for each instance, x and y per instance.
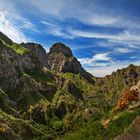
(25, 61)
(61, 48)
(38, 51)
(61, 59)
(8, 75)
(74, 90)
(47, 91)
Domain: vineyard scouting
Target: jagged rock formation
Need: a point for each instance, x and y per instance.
(113, 85)
(38, 51)
(61, 59)
(61, 48)
(126, 77)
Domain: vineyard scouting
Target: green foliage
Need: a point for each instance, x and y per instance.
(38, 76)
(95, 130)
(19, 49)
(5, 39)
(14, 46)
(93, 97)
(5, 103)
(19, 128)
(79, 81)
(56, 124)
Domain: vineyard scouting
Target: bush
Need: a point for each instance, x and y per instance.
(94, 130)
(128, 96)
(56, 124)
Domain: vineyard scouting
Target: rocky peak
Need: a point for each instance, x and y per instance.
(38, 51)
(61, 59)
(61, 48)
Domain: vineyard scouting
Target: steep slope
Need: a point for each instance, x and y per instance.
(113, 85)
(119, 123)
(30, 91)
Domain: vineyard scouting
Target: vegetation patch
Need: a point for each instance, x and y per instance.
(19, 49)
(38, 76)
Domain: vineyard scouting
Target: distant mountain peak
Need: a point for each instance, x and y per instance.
(61, 59)
(61, 48)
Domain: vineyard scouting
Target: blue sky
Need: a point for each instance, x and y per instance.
(103, 34)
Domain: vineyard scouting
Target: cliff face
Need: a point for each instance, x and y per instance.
(37, 51)
(61, 59)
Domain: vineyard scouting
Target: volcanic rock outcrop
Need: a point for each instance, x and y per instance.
(61, 59)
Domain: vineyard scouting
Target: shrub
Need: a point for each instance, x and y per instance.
(56, 124)
(128, 96)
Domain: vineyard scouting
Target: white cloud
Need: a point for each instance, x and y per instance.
(100, 20)
(133, 46)
(12, 23)
(123, 50)
(102, 71)
(125, 36)
(87, 12)
(28, 25)
(109, 20)
(101, 56)
(56, 30)
(52, 7)
(96, 57)
(9, 29)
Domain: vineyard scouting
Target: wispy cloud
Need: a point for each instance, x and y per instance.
(106, 69)
(26, 24)
(124, 36)
(96, 57)
(108, 20)
(87, 12)
(10, 29)
(100, 20)
(123, 50)
(56, 30)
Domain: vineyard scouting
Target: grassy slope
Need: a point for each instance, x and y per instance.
(13, 46)
(17, 128)
(94, 130)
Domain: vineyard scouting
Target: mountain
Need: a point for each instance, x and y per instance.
(112, 85)
(61, 59)
(51, 96)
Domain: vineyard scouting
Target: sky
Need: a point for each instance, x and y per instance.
(103, 34)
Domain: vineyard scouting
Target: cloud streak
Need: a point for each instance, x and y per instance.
(125, 36)
(99, 56)
(101, 70)
(10, 29)
(87, 12)
(123, 50)
(56, 30)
